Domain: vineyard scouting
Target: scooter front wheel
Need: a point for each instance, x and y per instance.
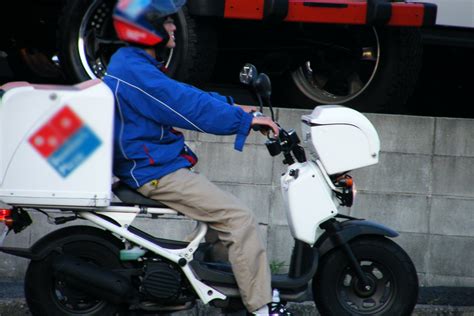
(392, 278)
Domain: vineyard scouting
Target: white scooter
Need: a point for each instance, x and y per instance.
(350, 265)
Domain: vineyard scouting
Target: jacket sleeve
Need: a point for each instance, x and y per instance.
(173, 103)
(228, 99)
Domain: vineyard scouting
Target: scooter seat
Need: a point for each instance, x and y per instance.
(129, 196)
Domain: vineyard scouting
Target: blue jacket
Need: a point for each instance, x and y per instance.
(148, 105)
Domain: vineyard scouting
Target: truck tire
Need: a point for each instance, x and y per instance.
(87, 40)
(366, 68)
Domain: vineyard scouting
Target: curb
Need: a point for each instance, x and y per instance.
(18, 307)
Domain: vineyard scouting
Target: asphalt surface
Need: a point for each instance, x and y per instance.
(432, 301)
(453, 296)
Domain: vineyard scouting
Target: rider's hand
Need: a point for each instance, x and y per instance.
(265, 121)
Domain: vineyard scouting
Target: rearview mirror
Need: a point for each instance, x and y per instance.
(263, 85)
(248, 74)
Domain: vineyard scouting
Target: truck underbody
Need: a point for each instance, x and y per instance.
(364, 54)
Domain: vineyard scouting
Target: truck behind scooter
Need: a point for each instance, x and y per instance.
(54, 139)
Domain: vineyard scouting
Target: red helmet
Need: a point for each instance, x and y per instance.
(141, 21)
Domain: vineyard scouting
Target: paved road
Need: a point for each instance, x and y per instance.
(453, 296)
(19, 308)
(432, 301)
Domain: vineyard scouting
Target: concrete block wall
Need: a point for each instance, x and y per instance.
(421, 188)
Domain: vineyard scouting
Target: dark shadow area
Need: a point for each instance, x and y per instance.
(6, 74)
(446, 83)
(444, 88)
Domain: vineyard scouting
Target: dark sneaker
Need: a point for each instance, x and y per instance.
(274, 309)
(277, 309)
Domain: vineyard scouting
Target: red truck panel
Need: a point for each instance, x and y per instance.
(244, 9)
(335, 11)
(354, 12)
(327, 11)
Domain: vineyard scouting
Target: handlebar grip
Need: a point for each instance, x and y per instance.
(258, 127)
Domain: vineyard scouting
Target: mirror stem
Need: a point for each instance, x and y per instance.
(260, 102)
(268, 102)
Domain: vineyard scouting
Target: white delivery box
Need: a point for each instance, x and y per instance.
(56, 144)
(342, 138)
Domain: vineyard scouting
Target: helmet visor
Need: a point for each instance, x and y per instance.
(160, 8)
(165, 8)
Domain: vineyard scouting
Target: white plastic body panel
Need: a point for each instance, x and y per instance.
(309, 200)
(342, 138)
(205, 292)
(79, 171)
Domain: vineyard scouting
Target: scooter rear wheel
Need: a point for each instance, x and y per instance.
(393, 282)
(47, 294)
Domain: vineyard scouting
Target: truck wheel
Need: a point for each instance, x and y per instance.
(366, 68)
(389, 270)
(87, 40)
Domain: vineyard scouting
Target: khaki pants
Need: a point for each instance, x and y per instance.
(196, 197)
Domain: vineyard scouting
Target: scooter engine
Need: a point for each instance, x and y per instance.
(162, 282)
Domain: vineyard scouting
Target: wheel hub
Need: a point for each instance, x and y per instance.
(340, 72)
(366, 298)
(365, 290)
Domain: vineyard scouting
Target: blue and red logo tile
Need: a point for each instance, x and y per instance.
(65, 141)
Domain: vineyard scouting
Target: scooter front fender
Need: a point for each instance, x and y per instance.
(349, 230)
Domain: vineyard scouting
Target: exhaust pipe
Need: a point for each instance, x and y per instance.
(95, 281)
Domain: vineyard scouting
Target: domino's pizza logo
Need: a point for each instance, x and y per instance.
(65, 141)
